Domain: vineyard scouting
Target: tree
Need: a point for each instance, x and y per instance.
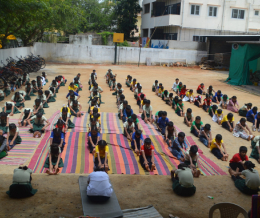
(127, 11)
(15, 14)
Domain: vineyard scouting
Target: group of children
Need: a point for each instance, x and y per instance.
(29, 116)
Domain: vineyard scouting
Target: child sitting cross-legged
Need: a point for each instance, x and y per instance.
(179, 146)
(129, 128)
(196, 126)
(101, 156)
(183, 183)
(237, 159)
(170, 133)
(242, 130)
(191, 159)
(137, 141)
(205, 135)
(188, 117)
(216, 148)
(54, 160)
(147, 155)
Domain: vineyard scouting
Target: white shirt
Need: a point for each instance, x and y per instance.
(99, 184)
(174, 86)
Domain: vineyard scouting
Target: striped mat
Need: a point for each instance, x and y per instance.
(110, 124)
(122, 160)
(23, 152)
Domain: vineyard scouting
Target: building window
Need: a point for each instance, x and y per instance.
(145, 32)
(238, 14)
(195, 9)
(213, 11)
(147, 8)
(199, 38)
(256, 13)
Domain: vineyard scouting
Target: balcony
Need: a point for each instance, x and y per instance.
(166, 20)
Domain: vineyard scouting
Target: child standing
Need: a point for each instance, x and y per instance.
(244, 109)
(216, 148)
(170, 134)
(241, 130)
(179, 146)
(162, 122)
(238, 159)
(147, 155)
(228, 122)
(137, 141)
(129, 128)
(205, 135)
(101, 156)
(196, 126)
(188, 117)
(54, 160)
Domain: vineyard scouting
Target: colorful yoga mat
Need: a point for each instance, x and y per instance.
(23, 152)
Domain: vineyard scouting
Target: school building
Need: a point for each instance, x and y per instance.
(193, 20)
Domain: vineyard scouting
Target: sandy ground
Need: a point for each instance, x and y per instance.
(59, 196)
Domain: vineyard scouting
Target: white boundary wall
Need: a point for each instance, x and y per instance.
(68, 53)
(13, 52)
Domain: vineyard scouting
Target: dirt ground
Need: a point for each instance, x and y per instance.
(58, 196)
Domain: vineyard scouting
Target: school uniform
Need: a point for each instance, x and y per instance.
(236, 162)
(57, 140)
(43, 98)
(162, 123)
(54, 160)
(255, 146)
(137, 140)
(183, 184)
(121, 106)
(225, 121)
(38, 124)
(64, 118)
(193, 130)
(94, 140)
(7, 90)
(179, 108)
(76, 109)
(9, 106)
(40, 106)
(3, 149)
(250, 116)
(148, 156)
(2, 95)
(249, 185)
(3, 123)
(21, 186)
(18, 101)
(18, 139)
(26, 112)
(214, 149)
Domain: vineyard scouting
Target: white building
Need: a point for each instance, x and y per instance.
(189, 20)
